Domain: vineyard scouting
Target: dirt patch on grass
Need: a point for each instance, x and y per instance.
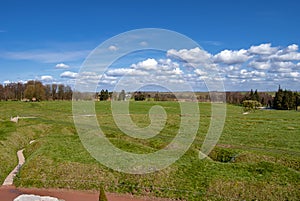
(223, 155)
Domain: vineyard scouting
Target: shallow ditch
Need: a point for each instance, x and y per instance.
(223, 155)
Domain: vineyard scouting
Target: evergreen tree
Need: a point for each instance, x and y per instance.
(156, 97)
(256, 96)
(284, 100)
(122, 95)
(277, 102)
(106, 95)
(297, 100)
(54, 91)
(101, 95)
(251, 96)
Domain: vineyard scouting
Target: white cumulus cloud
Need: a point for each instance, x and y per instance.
(68, 74)
(295, 74)
(231, 56)
(177, 71)
(126, 71)
(7, 82)
(260, 65)
(259, 73)
(143, 43)
(46, 78)
(263, 49)
(113, 48)
(88, 77)
(290, 56)
(62, 65)
(200, 72)
(193, 57)
(292, 48)
(148, 64)
(284, 64)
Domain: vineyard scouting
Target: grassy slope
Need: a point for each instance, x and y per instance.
(266, 146)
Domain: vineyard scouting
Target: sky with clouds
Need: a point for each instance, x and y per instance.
(251, 44)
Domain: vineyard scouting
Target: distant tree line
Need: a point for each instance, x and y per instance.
(283, 100)
(104, 95)
(139, 96)
(34, 91)
(238, 98)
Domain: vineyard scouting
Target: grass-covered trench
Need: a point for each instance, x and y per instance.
(257, 156)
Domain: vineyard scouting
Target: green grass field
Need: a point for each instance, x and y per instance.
(257, 156)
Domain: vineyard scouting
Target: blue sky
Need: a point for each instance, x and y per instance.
(254, 44)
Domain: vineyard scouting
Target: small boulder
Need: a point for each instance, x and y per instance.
(35, 198)
(14, 119)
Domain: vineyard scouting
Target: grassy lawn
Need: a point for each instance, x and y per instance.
(257, 156)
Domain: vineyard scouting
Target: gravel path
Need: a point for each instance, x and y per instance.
(10, 178)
